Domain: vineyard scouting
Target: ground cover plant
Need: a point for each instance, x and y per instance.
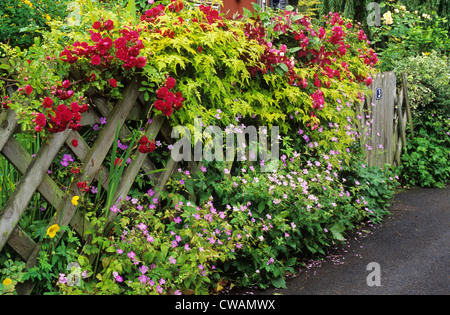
(225, 221)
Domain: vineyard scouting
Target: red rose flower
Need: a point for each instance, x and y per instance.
(83, 186)
(40, 120)
(96, 37)
(48, 102)
(177, 104)
(159, 104)
(122, 54)
(96, 60)
(143, 149)
(162, 92)
(151, 146)
(170, 83)
(84, 108)
(167, 109)
(109, 25)
(113, 82)
(97, 25)
(75, 107)
(141, 61)
(29, 89)
(120, 42)
(90, 78)
(66, 84)
(143, 140)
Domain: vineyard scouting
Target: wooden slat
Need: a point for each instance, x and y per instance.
(105, 109)
(15, 207)
(49, 189)
(8, 124)
(91, 165)
(21, 243)
(408, 107)
(401, 123)
(81, 152)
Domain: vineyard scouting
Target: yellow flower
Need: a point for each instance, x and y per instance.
(388, 17)
(75, 200)
(27, 2)
(7, 281)
(51, 231)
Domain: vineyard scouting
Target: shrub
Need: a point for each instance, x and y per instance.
(23, 20)
(426, 160)
(409, 34)
(428, 81)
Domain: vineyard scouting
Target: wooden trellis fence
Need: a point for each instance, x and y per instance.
(383, 120)
(35, 177)
(389, 121)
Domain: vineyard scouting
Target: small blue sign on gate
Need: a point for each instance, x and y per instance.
(378, 94)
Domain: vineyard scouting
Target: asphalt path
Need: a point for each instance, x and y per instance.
(407, 254)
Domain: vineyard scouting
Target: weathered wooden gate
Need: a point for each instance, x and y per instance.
(383, 118)
(35, 177)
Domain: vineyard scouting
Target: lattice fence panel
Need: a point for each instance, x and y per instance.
(36, 179)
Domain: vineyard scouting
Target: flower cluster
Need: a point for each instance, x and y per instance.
(146, 146)
(212, 16)
(124, 49)
(175, 6)
(61, 117)
(152, 14)
(5, 103)
(318, 100)
(167, 100)
(64, 117)
(83, 186)
(271, 57)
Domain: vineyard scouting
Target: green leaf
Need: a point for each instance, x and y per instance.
(284, 67)
(256, 7)
(246, 12)
(189, 186)
(164, 250)
(279, 283)
(91, 9)
(336, 230)
(131, 7)
(261, 206)
(297, 17)
(289, 8)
